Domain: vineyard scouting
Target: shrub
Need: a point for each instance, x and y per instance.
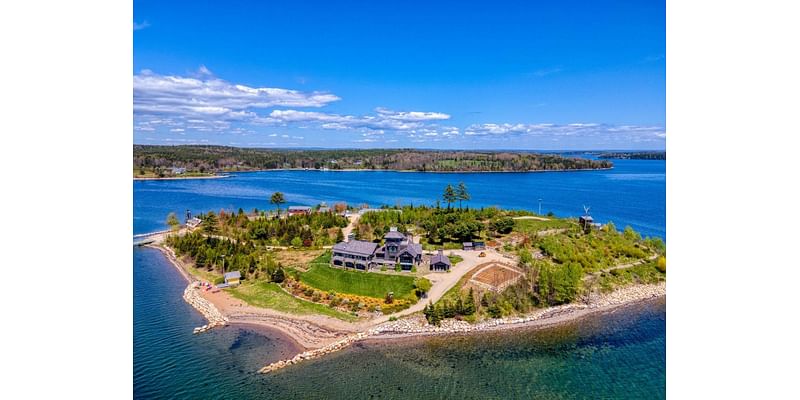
(392, 318)
(661, 264)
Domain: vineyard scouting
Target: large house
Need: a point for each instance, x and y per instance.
(397, 249)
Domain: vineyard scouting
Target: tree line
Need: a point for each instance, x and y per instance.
(204, 159)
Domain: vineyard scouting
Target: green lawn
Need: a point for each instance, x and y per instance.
(328, 279)
(455, 259)
(532, 225)
(270, 295)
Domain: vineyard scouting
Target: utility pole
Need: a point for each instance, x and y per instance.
(223, 264)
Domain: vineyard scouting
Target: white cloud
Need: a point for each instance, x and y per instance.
(137, 26)
(206, 96)
(383, 120)
(615, 133)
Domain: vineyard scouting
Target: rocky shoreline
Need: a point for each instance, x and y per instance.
(419, 326)
(215, 318)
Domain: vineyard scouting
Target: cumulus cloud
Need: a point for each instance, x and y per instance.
(205, 96)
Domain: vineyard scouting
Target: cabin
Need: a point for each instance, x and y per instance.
(299, 210)
(440, 262)
(232, 278)
(355, 254)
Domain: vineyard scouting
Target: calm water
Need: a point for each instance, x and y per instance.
(633, 193)
(615, 355)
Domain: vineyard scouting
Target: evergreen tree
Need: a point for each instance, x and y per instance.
(210, 223)
(449, 195)
(459, 309)
(339, 235)
(462, 194)
(469, 306)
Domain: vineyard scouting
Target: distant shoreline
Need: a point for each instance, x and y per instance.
(175, 178)
(413, 170)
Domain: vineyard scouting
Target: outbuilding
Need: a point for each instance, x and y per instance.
(232, 278)
(440, 262)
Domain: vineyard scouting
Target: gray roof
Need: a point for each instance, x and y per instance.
(414, 248)
(300, 208)
(234, 274)
(356, 246)
(394, 235)
(437, 258)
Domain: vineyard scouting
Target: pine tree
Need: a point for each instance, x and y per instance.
(449, 195)
(460, 306)
(469, 307)
(462, 194)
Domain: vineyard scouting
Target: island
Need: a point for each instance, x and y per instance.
(164, 161)
(331, 275)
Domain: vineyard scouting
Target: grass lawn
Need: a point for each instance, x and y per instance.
(270, 295)
(455, 259)
(328, 279)
(532, 225)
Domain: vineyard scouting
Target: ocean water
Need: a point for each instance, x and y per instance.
(620, 354)
(632, 193)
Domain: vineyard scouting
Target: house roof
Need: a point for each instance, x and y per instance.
(414, 249)
(299, 208)
(440, 258)
(233, 274)
(394, 235)
(356, 246)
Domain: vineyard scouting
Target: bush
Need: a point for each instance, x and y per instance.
(392, 318)
(661, 264)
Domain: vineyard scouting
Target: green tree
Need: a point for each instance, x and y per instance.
(502, 225)
(462, 194)
(449, 195)
(339, 235)
(210, 223)
(277, 199)
(423, 285)
(172, 221)
(469, 304)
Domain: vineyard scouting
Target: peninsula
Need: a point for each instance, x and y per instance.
(328, 276)
(196, 159)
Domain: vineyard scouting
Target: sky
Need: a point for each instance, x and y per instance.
(568, 75)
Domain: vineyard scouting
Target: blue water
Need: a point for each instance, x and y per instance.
(632, 193)
(614, 355)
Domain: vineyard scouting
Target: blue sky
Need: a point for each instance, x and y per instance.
(450, 75)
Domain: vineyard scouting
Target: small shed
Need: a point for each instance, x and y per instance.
(478, 246)
(467, 245)
(586, 222)
(440, 262)
(232, 278)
